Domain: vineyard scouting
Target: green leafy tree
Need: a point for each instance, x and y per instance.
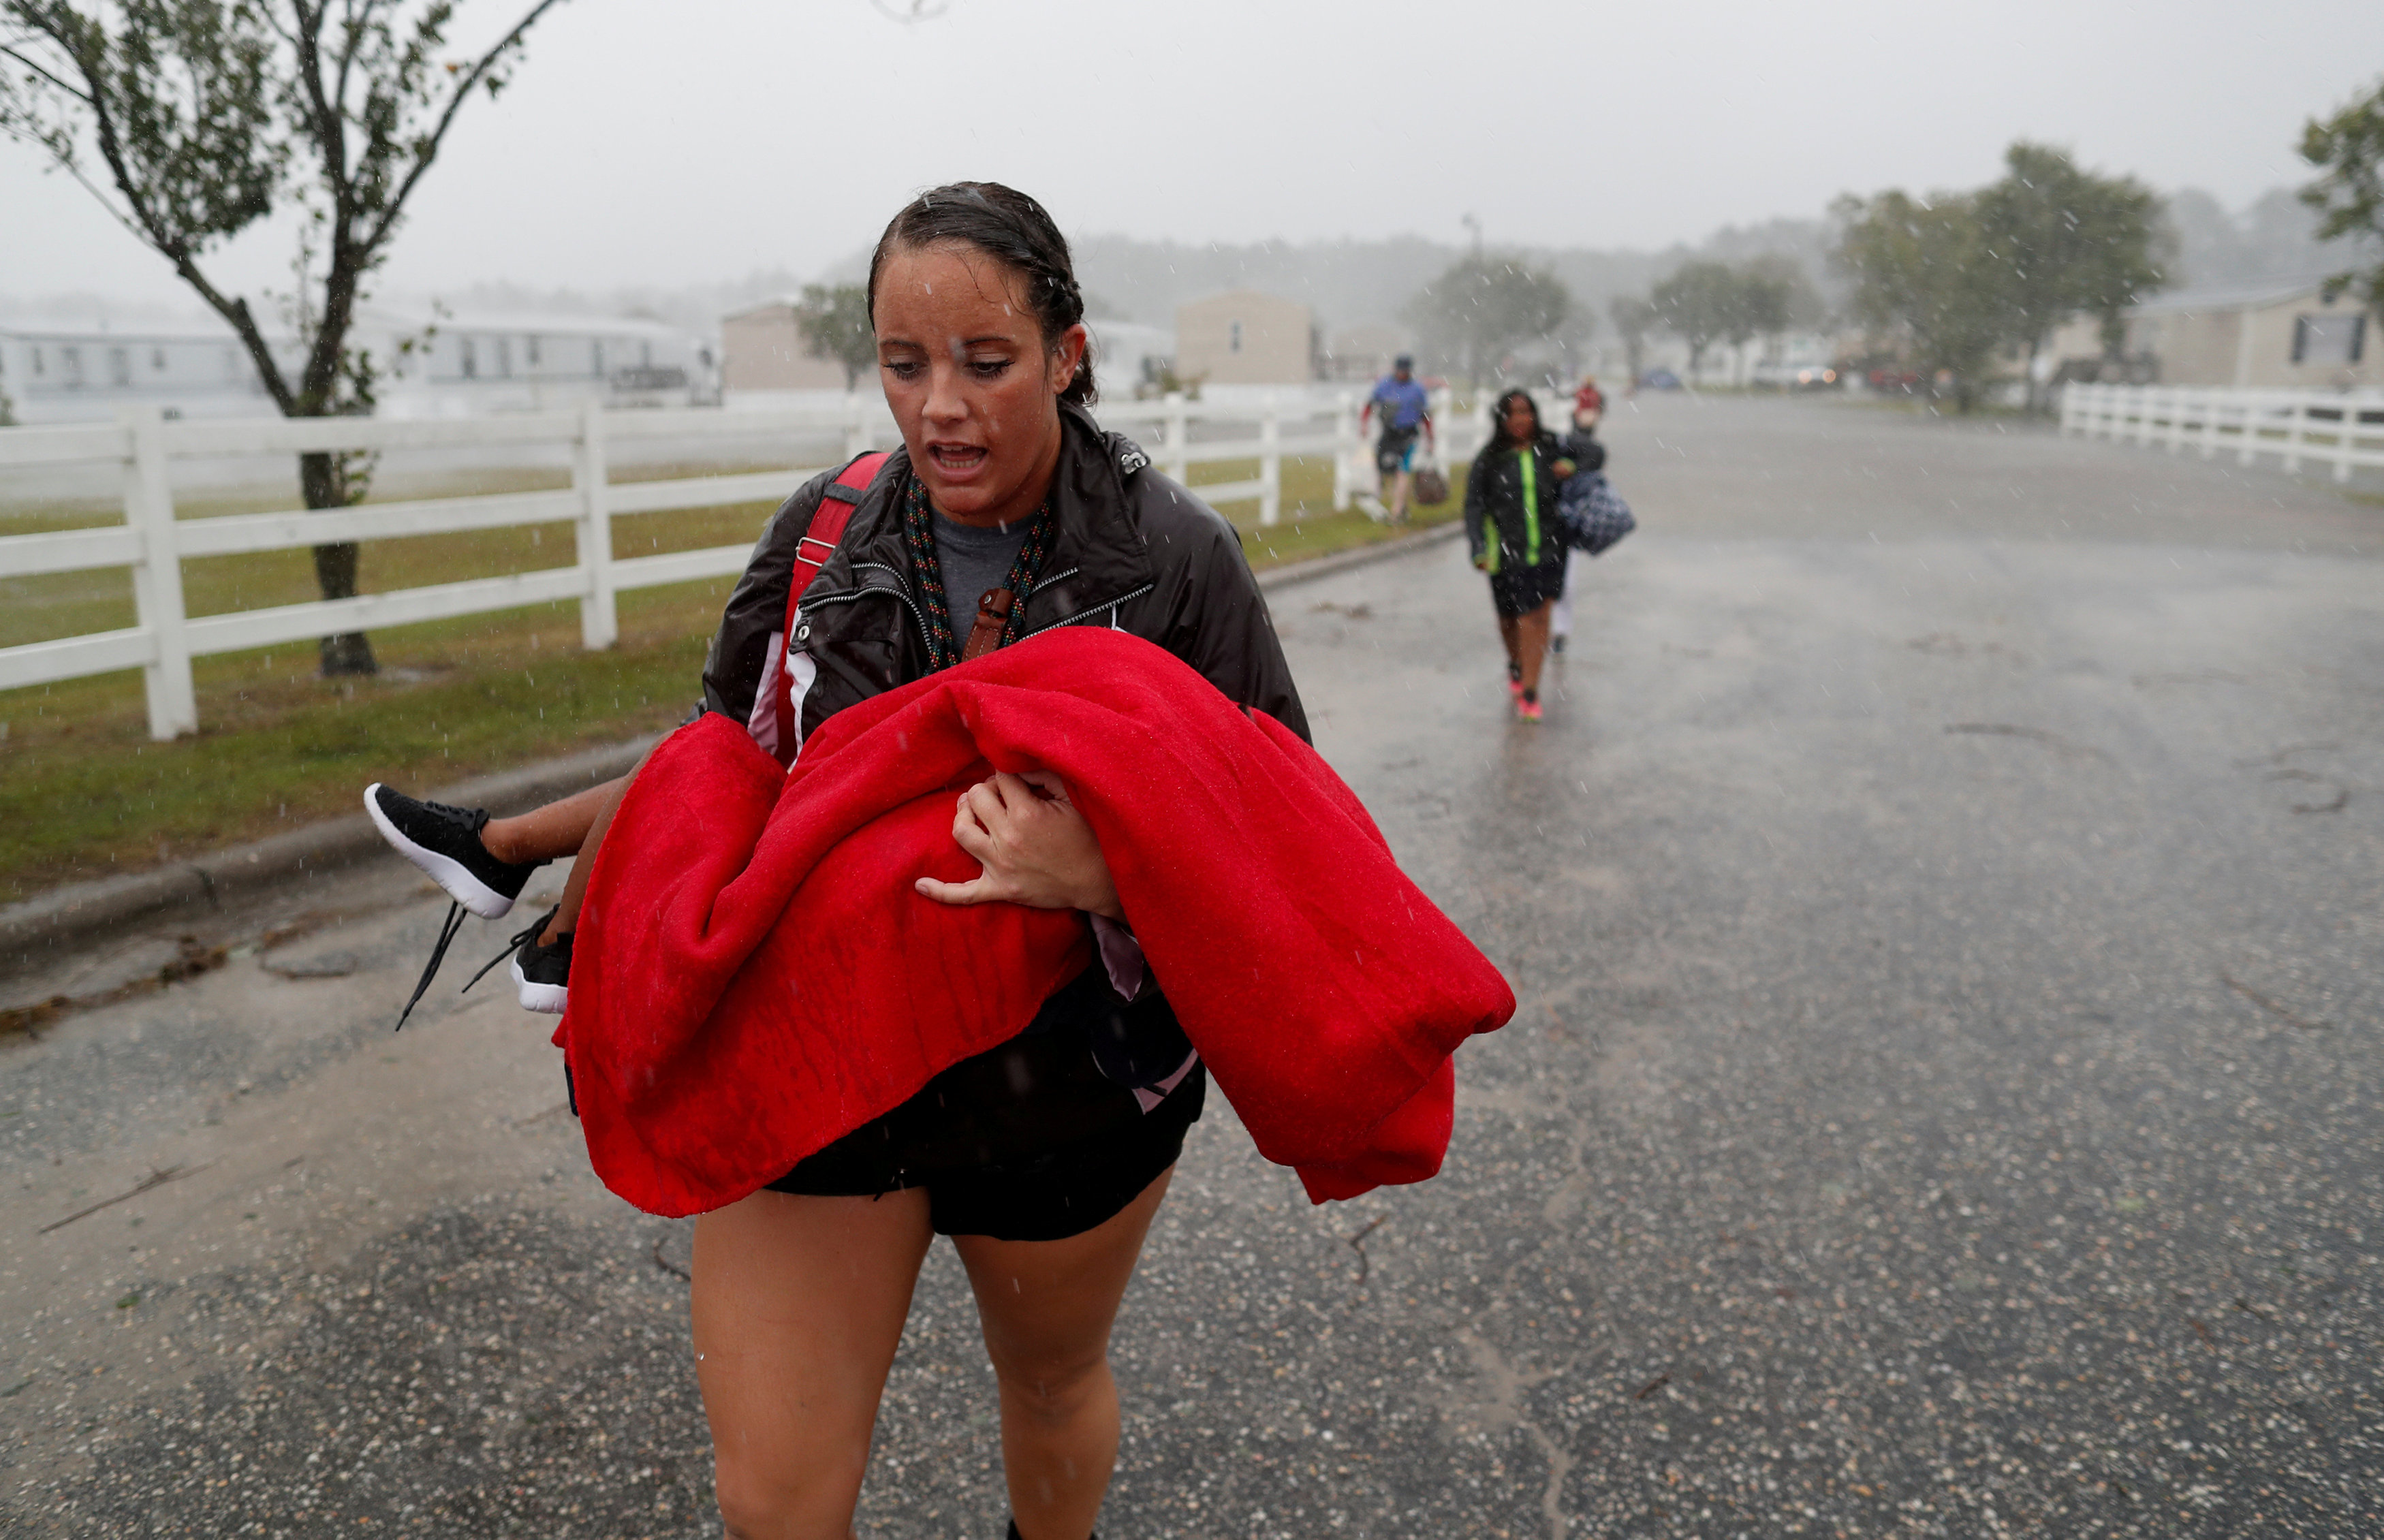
(1482, 307)
(1704, 302)
(834, 325)
(1781, 296)
(1634, 318)
(1700, 304)
(1925, 273)
(2069, 241)
(1766, 303)
(191, 120)
(2349, 148)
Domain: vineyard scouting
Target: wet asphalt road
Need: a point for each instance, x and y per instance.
(1944, 905)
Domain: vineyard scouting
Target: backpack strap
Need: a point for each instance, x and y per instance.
(812, 552)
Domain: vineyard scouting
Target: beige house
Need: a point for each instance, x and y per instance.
(2281, 336)
(1364, 352)
(1246, 338)
(761, 348)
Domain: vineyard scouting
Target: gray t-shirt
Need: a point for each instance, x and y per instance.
(970, 561)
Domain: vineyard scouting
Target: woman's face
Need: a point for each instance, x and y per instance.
(970, 382)
(1520, 421)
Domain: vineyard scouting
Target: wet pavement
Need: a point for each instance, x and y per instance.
(1943, 901)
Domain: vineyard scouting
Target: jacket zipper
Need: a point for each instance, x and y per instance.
(848, 595)
(1090, 609)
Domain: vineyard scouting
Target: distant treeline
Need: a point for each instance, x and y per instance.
(1351, 282)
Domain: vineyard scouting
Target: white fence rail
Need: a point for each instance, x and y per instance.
(2342, 429)
(153, 544)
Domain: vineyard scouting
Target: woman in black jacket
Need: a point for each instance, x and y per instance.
(1510, 522)
(1006, 512)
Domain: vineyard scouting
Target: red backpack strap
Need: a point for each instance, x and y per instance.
(819, 541)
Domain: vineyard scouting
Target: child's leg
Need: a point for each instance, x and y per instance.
(553, 831)
(600, 803)
(1531, 641)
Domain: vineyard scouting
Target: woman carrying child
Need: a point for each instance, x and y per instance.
(1006, 511)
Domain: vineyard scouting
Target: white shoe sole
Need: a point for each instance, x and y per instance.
(545, 999)
(447, 871)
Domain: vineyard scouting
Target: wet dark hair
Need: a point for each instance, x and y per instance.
(1499, 415)
(1013, 229)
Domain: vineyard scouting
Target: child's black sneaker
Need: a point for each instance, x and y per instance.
(542, 973)
(445, 842)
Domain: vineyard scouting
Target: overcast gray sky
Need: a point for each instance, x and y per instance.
(676, 141)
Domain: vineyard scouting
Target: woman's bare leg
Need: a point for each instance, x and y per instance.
(798, 1306)
(1047, 1307)
(548, 833)
(1531, 647)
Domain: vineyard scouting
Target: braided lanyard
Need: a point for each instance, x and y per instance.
(919, 537)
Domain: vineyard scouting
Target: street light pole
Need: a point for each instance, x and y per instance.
(1472, 364)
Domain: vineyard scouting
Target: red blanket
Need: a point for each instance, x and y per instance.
(754, 975)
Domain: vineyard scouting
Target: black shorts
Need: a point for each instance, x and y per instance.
(1026, 1141)
(1518, 590)
(1395, 451)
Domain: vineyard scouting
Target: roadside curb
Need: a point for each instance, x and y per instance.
(69, 917)
(1341, 561)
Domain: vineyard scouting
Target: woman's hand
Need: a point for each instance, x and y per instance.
(1036, 847)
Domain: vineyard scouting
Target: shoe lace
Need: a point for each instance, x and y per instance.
(511, 947)
(476, 816)
(447, 934)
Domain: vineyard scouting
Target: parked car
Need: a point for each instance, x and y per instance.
(1793, 376)
(1659, 379)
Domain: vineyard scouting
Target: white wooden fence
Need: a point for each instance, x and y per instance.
(2331, 427)
(153, 544)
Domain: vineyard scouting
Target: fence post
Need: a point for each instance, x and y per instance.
(600, 623)
(2215, 403)
(2295, 417)
(1270, 462)
(1344, 445)
(2251, 445)
(157, 576)
(1178, 466)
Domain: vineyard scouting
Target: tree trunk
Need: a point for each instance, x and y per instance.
(2035, 345)
(320, 479)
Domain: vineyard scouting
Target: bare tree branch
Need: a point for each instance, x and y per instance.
(430, 150)
(36, 67)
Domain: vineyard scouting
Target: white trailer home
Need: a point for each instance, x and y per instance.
(437, 365)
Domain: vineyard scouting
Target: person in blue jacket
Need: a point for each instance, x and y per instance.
(1405, 413)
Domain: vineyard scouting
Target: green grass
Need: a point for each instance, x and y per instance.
(83, 793)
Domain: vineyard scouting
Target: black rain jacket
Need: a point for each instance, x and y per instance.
(1497, 526)
(1133, 551)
